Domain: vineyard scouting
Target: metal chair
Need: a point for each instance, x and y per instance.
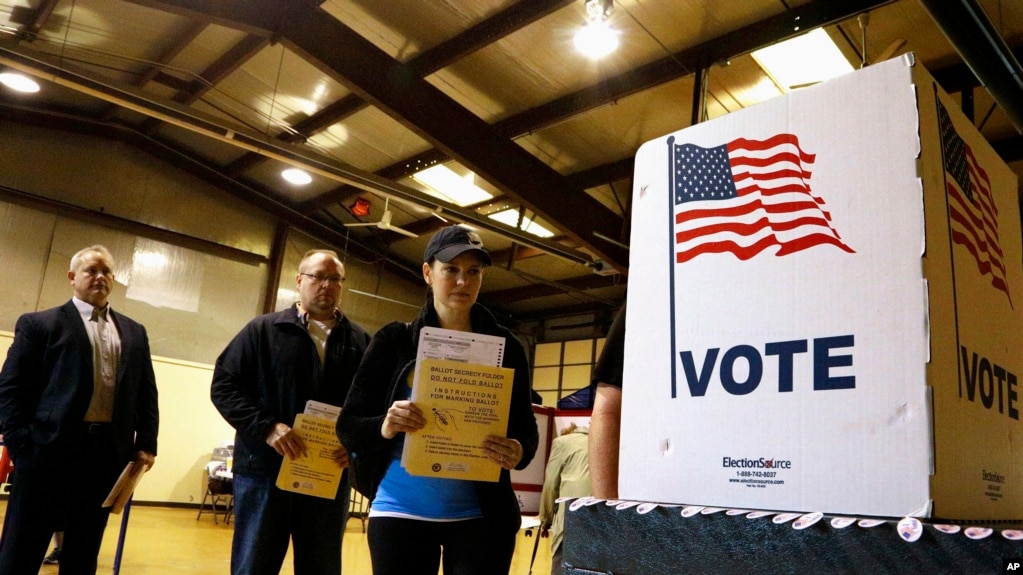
(219, 491)
(358, 507)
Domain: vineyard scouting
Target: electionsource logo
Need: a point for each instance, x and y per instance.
(760, 463)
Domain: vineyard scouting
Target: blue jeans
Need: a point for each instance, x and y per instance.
(267, 517)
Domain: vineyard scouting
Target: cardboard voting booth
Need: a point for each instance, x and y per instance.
(825, 308)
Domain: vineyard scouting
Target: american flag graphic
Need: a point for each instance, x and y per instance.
(745, 197)
(972, 210)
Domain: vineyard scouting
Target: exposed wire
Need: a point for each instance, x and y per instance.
(375, 296)
(849, 41)
(703, 99)
(577, 294)
(618, 200)
(273, 98)
(987, 116)
(67, 31)
(236, 111)
(655, 39)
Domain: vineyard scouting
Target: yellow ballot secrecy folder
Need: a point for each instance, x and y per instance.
(316, 473)
(465, 396)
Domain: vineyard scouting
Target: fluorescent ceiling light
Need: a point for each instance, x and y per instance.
(296, 176)
(803, 60)
(19, 82)
(444, 183)
(596, 40)
(511, 217)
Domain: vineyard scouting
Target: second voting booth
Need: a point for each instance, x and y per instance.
(825, 310)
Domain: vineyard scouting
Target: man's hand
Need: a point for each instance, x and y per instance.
(145, 458)
(286, 442)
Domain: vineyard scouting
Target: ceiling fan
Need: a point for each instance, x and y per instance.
(385, 222)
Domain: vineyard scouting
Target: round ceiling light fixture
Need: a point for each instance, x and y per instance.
(597, 39)
(296, 176)
(19, 82)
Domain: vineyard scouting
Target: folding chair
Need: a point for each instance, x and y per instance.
(219, 491)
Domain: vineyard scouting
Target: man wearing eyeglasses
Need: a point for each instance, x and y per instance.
(261, 381)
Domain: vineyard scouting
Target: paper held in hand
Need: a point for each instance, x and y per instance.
(316, 473)
(124, 487)
(463, 403)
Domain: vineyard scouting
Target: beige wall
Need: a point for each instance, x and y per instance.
(191, 303)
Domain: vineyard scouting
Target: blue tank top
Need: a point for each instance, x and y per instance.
(429, 498)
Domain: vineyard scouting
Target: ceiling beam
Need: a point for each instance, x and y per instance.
(230, 61)
(248, 192)
(600, 310)
(33, 20)
(955, 78)
(683, 63)
(578, 283)
(982, 48)
(396, 171)
(959, 77)
(129, 226)
(678, 65)
(181, 41)
(486, 32)
(395, 89)
(604, 174)
(425, 63)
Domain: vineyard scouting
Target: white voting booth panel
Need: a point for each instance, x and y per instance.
(528, 482)
(824, 308)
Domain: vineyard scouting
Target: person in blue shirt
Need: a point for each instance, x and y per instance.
(415, 520)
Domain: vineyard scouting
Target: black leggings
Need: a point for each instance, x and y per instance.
(400, 546)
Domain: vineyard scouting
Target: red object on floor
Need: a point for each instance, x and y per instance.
(6, 465)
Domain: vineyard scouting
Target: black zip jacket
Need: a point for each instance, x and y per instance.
(268, 372)
(388, 360)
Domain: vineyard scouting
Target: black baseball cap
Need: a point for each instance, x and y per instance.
(452, 241)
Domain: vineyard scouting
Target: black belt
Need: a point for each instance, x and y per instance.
(96, 428)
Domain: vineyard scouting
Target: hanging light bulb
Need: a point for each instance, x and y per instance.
(599, 10)
(597, 39)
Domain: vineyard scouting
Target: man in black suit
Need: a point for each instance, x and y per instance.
(78, 401)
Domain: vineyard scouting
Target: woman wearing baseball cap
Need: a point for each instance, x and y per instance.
(415, 520)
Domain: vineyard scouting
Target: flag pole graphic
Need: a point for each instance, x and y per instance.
(951, 249)
(671, 256)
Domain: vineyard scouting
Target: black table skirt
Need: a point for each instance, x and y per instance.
(602, 539)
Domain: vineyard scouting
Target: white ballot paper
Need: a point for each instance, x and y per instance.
(323, 410)
(464, 346)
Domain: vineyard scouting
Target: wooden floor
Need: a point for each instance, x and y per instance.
(170, 541)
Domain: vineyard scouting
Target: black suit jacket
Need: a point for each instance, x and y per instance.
(47, 381)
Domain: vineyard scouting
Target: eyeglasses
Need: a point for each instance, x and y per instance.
(332, 280)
